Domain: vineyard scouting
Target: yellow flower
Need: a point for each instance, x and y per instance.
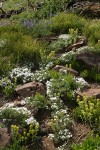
(37, 126)
(56, 117)
(22, 138)
(70, 66)
(66, 65)
(32, 131)
(51, 123)
(84, 98)
(24, 133)
(31, 126)
(28, 134)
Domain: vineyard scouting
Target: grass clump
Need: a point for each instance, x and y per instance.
(19, 49)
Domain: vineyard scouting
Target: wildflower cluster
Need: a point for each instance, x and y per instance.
(22, 75)
(62, 85)
(60, 124)
(21, 115)
(74, 34)
(5, 82)
(62, 147)
(60, 118)
(41, 75)
(67, 57)
(25, 136)
(81, 82)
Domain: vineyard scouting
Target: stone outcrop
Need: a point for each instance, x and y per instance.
(90, 60)
(30, 89)
(87, 8)
(89, 93)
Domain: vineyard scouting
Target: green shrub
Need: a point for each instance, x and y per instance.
(62, 22)
(37, 101)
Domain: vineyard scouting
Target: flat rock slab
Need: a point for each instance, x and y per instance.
(89, 93)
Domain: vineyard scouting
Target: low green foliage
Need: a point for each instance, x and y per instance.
(13, 5)
(7, 87)
(38, 101)
(92, 142)
(13, 116)
(63, 85)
